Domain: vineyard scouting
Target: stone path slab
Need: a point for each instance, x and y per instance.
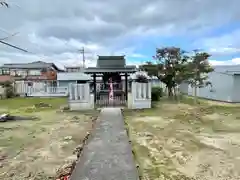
(108, 155)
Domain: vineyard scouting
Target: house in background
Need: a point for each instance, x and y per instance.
(36, 74)
(38, 70)
(225, 85)
(74, 68)
(65, 78)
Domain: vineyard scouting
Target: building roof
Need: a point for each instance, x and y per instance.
(72, 67)
(33, 65)
(73, 76)
(129, 69)
(111, 64)
(111, 57)
(227, 69)
(111, 61)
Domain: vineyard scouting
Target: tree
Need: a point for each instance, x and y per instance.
(8, 89)
(150, 68)
(198, 69)
(170, 67)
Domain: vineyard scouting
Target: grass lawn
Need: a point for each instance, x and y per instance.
(35, 149)
(179, 141)
(16, 103)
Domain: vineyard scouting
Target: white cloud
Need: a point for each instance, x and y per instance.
(233, 61)
(56, 29)
(224, 50)
(137, 55)
(226, 44)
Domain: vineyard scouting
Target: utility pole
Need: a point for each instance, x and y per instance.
(82, 51)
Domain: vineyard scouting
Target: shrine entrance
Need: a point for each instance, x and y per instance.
(111, 92)
(110, 81)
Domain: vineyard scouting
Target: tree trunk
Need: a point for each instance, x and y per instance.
(195, 95)
(170, 92)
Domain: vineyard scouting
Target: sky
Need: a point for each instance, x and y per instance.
(55, 30)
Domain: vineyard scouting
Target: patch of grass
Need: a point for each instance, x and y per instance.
(32, 149)
(177, 140)
(26, 106)
(14, 103)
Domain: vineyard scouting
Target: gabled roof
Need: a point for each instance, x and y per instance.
(126, 69)
(111, 61)
(111, 57)
(33, 65)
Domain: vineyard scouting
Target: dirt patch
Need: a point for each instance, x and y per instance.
(183, 143)
(37, 149)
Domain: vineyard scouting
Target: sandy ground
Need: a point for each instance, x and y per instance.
(36, 149)
(182, 142)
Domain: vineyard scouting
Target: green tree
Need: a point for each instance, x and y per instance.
(151, 68)
(198, 69)
(170, 67)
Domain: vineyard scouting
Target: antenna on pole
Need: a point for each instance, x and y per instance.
(82, 51)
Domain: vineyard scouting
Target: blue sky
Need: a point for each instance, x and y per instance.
(223, 39)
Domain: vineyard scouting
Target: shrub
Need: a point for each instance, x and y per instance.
(157, 93)
(141, 78)
(9, 89)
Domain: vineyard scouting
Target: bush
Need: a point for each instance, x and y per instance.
(9, 89)
(157, 93)
(141, 78)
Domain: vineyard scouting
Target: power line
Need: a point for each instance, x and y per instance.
(8, 36)
(13, 46)
(5, 4)
(5, 31)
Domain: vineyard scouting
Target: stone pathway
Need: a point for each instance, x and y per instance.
(108, 156)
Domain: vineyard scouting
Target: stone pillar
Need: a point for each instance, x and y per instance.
(95, 87)
(70, 91)
(126, 86)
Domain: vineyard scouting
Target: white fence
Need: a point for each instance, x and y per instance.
(80, 97)
(22, 87)
(39, 89)
(48, 92)
(140, 97)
